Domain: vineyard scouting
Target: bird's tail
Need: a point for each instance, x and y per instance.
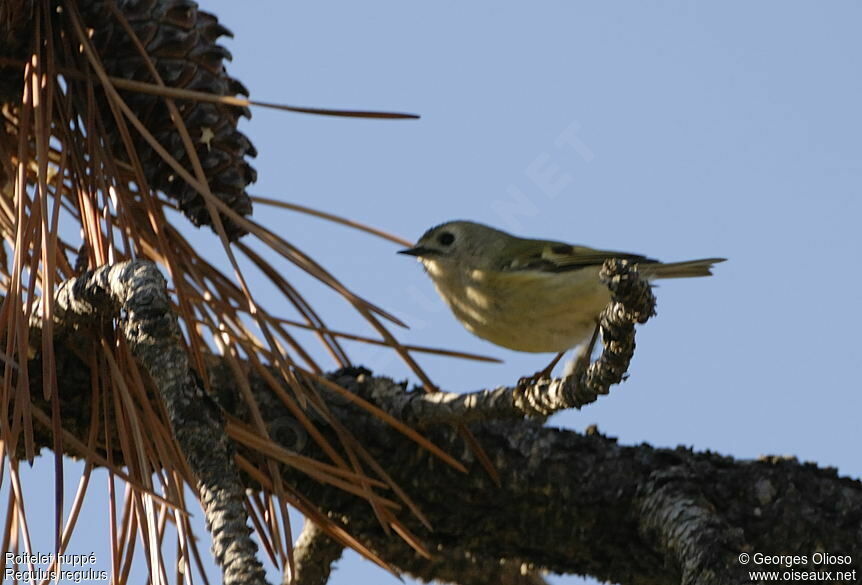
(687, 269)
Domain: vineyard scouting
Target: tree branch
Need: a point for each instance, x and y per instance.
(568, 503)
(135, 292)
(314, 554)
(586, 505)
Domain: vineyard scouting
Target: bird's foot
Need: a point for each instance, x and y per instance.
(541, 374)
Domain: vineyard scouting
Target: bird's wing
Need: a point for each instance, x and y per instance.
(560, 257)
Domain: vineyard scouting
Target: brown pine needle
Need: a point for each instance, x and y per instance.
(372, 341)
(337, 533)
(175, 92)
(334, 218)
(390, 420)
(394, 486)
(411, 539)
(255, 513)
(93, 457)
(188, 94)
(299, 462)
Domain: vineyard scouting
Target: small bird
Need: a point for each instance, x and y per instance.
(527, 295)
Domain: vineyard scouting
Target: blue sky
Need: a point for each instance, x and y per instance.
(677, 130)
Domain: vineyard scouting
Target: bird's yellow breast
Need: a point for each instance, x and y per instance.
(523, 310)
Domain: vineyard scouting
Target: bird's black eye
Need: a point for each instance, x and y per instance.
(446, 238)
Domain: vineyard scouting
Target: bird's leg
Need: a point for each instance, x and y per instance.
(582, 362)
(543, 374)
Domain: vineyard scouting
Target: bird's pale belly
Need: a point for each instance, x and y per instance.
(532, 312)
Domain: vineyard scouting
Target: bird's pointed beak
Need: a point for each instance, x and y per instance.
(417, 251)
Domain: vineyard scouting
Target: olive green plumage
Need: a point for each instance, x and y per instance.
(525, 294)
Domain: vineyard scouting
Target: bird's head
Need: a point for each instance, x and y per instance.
(465, 243)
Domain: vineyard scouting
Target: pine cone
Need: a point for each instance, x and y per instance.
(181, 42)
(16, 17)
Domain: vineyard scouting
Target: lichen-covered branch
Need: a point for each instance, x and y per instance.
(586, 505)
(314, 555)
(686, 528)
(135, 292)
